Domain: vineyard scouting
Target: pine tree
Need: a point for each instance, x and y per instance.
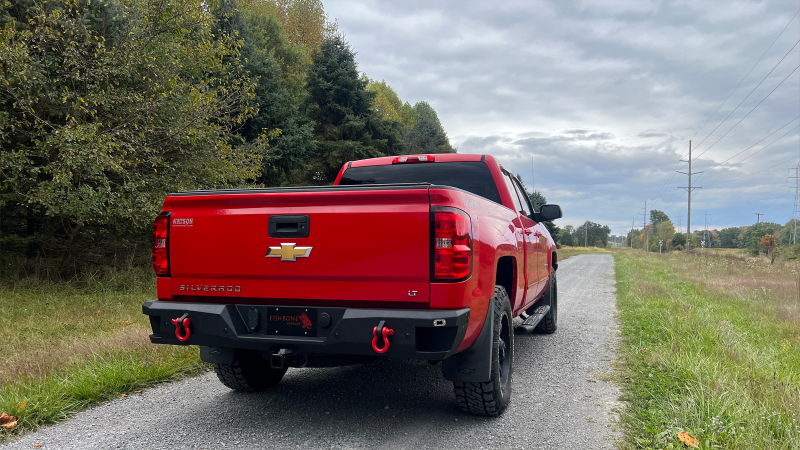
(428, 135)
(347, 127)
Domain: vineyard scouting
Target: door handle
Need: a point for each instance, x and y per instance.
(537, 233)
(528, 231)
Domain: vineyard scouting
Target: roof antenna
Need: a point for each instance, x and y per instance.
(533, 177)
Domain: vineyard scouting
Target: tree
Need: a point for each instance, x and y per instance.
(387, 103)
(567, 236)
(665, 231)
(729, 237)
(305, 21)
(347, 128)
(768, 243)
(105, 108)
(657, 217)
(278, 130)
(753, 234)
(679, 241)
(593, 234)
(427, 135)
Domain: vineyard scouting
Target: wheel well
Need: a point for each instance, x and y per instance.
(505, 274)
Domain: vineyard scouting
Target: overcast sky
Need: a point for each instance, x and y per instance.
(604, 95)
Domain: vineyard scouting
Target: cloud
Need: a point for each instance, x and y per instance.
(604, 95)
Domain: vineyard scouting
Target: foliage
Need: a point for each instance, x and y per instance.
(278, 130)
(679, 241)
(566, 237)
(753, 234)
(387, 103)
(592, 234)
(427, 135)
(665, 231)
(657, 217)
(347, 127)
(709, 346)
(106, 107)
(768, 243)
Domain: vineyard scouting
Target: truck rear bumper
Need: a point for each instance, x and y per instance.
(418, 334)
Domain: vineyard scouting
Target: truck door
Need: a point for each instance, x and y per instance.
(523, 225)
(535, 234)
(535, 246)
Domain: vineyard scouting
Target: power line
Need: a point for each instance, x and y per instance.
(754, 108)
(748, 96)
(748, 148)
(742, 80)
(755, 173)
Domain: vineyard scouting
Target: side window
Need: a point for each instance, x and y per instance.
(513, 190)
(526, 208)
(524, 196)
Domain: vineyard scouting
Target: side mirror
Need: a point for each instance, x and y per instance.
(548, 212)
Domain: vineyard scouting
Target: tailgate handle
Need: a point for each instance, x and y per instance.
(289, 226)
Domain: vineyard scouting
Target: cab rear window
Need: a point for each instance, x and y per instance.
(474, 177)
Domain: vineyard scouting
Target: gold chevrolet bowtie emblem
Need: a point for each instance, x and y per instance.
(288, 252)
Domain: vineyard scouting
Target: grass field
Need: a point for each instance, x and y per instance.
(711, 345)
(64, 346)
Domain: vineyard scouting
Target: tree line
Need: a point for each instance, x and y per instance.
(106, 106)
(750, 238)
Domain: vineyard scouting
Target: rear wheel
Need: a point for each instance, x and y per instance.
(248, 372)
(492, 397)
(549, 322)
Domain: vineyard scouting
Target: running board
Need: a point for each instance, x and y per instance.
(531, 321)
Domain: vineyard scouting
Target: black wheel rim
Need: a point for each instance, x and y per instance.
(504, 357)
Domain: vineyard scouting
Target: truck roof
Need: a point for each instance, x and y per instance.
(439, 157)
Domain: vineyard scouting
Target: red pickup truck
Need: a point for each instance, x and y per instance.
(426, 257)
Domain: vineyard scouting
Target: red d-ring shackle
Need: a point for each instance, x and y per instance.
(182, 320)
(385, 332)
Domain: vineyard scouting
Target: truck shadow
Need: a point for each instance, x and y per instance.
(395, 400)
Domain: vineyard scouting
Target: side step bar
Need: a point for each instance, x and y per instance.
(531, 321)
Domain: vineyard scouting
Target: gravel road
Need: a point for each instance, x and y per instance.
(559, 397)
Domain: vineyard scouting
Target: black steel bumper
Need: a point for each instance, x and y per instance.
(418, 334)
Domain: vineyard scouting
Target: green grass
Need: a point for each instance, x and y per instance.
(67, 345)
(710, 346)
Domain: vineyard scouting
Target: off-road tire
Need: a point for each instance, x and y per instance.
(249, 372)
(549, 322)
(492, 397)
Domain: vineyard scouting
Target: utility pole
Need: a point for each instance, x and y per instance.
(632, 222)
(759, 217)
(706, 232)
(680, 224)
(796, 213)
(586, 234)
(689, 190)
(644, 228)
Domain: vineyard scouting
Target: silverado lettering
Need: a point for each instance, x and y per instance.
(426, 257)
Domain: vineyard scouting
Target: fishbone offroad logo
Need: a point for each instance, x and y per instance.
(302, 320)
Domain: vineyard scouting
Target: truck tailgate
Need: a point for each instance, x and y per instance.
(367, 244)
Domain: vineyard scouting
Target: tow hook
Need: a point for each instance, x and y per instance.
(182, 320)
(385, 332)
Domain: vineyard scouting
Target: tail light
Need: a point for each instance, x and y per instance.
(413, 159)
(160, 243)
(452, 244)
